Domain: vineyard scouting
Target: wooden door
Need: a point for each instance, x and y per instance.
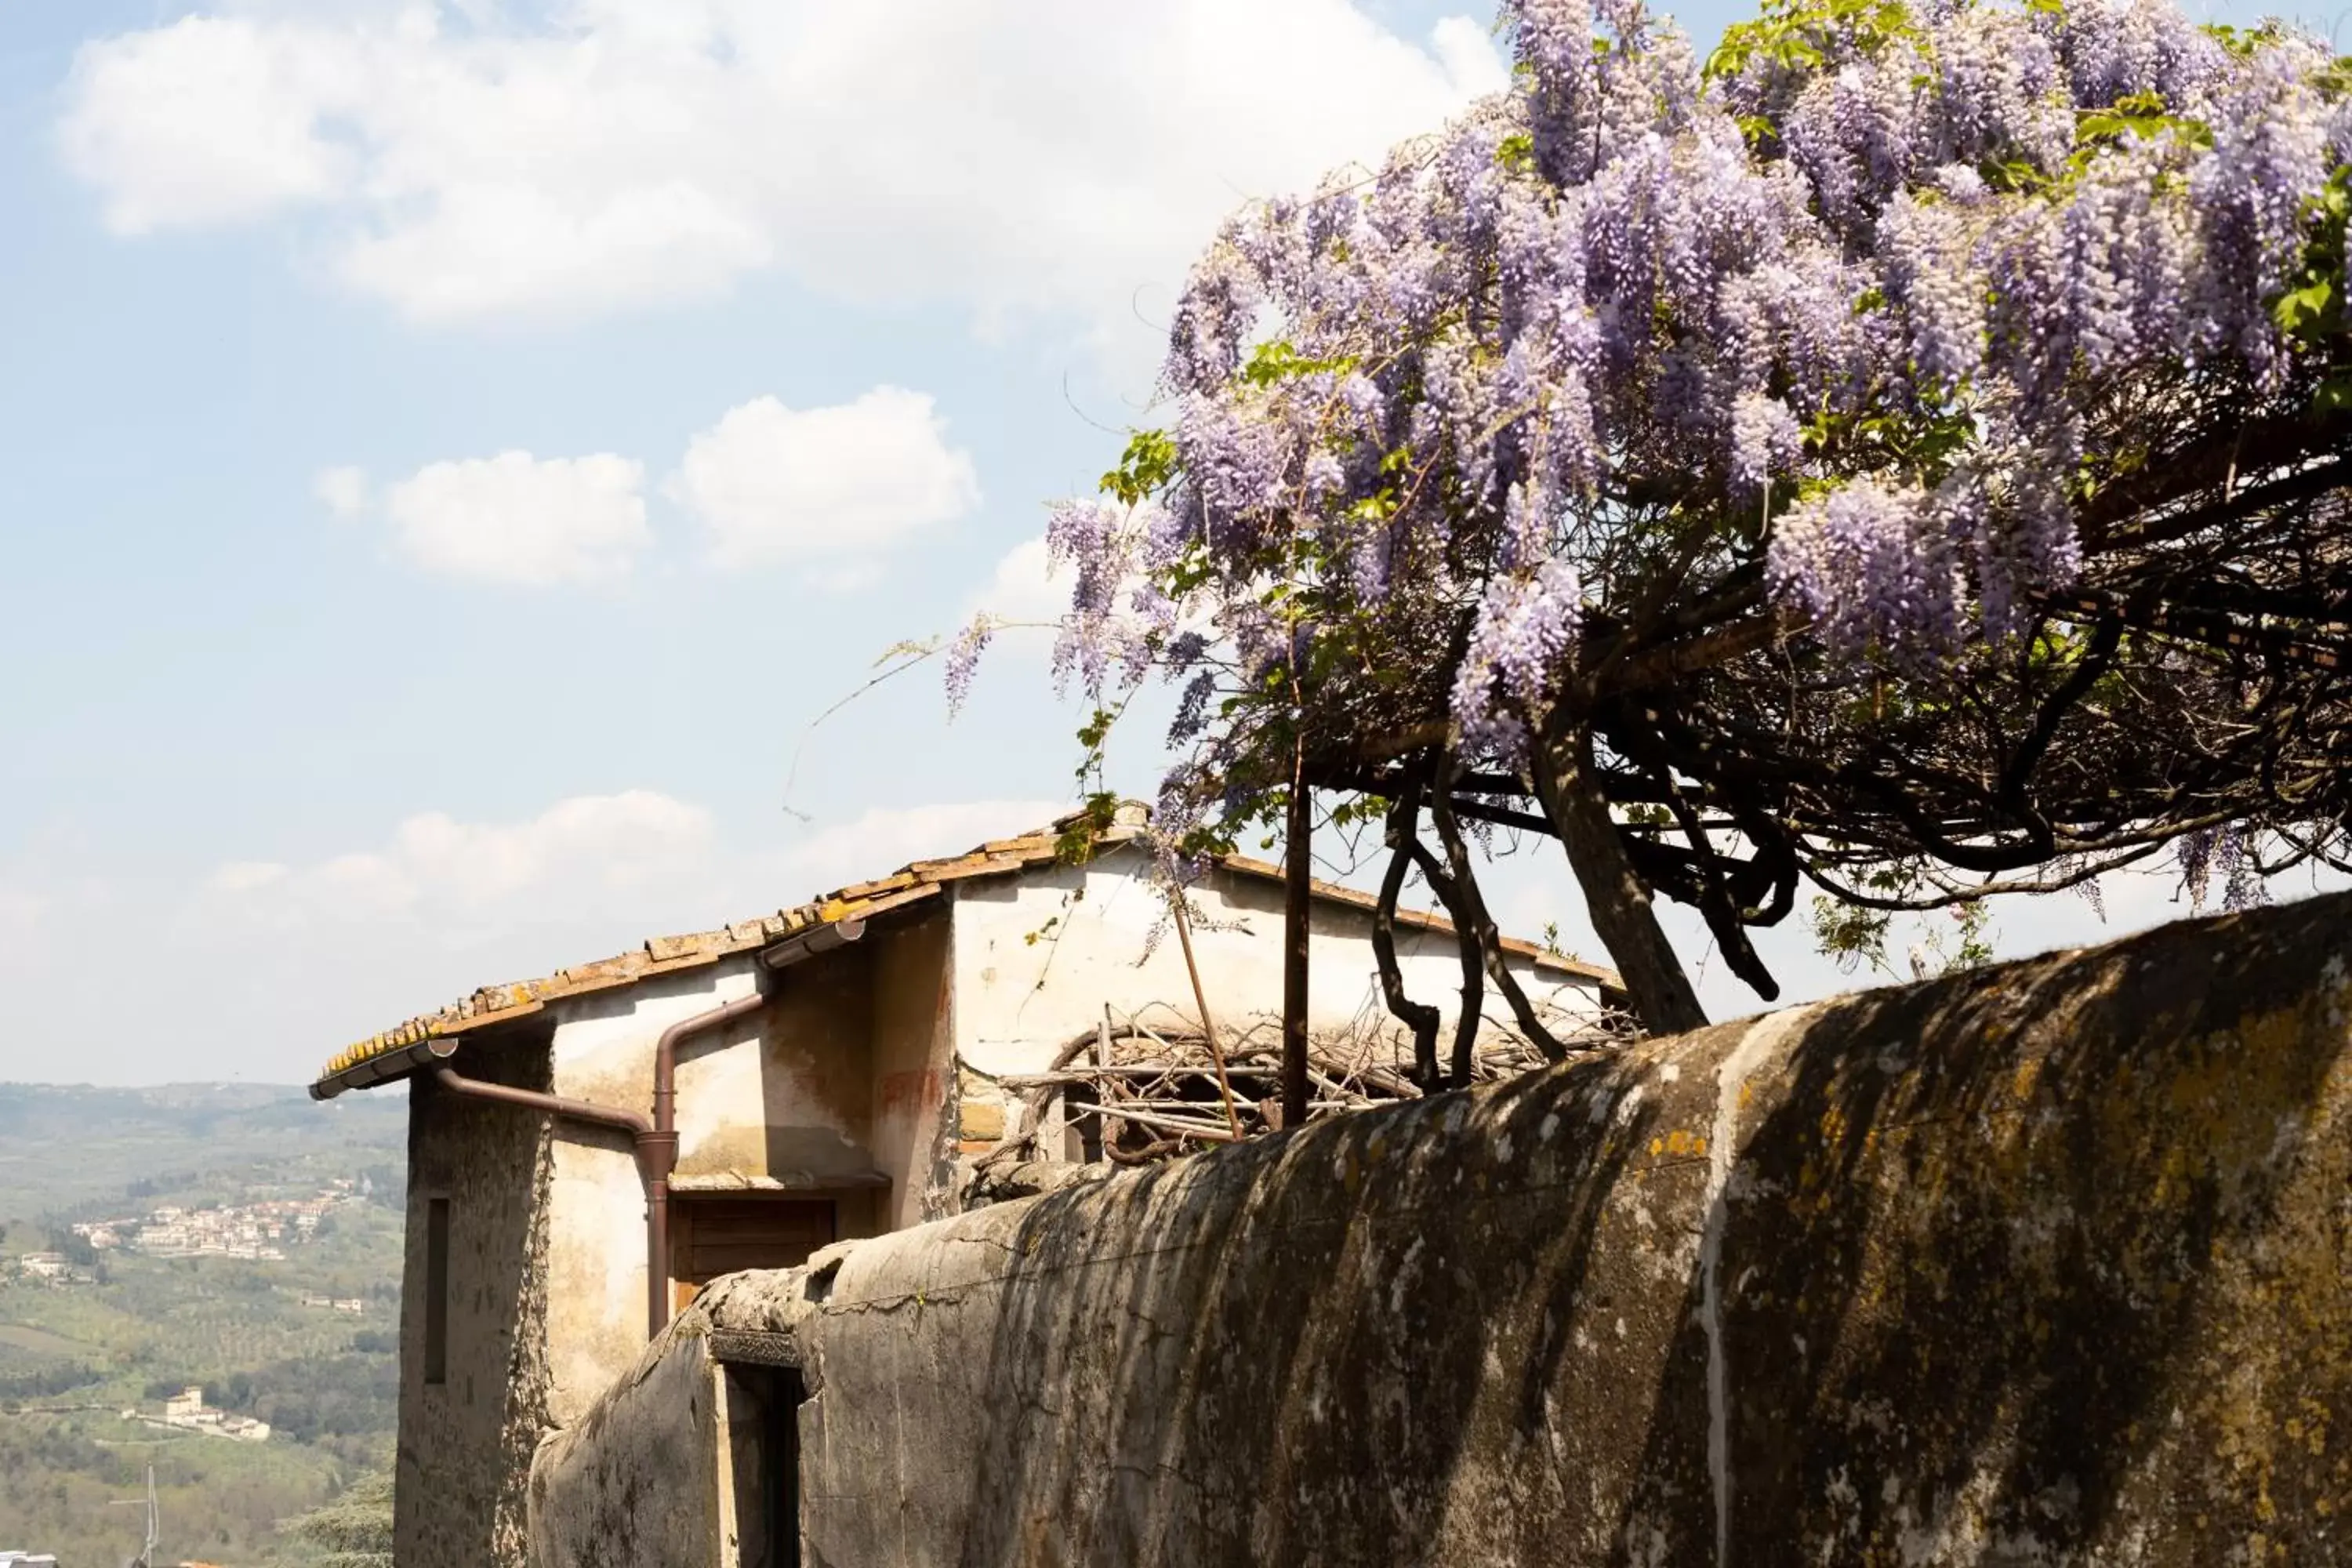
(715, 1236)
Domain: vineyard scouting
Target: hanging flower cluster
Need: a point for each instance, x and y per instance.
(1849, 302)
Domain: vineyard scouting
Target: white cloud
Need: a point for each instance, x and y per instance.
(1028, 586)
(618, 841)
(825, 486)
(517, 519)
(22, 912)
(342, 490)
(210, 120)
(828, 489)
(588, 851)
(638, 854)
(304, 956)
(1017, 157)
(246, 876)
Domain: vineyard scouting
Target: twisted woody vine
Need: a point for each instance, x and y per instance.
(1902, 455)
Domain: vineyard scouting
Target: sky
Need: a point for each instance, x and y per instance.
(454, 453)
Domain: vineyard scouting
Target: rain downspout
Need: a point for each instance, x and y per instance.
(654, 1142)
(657, 1146)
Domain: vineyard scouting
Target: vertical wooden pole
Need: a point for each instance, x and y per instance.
(1200, 1000)
(1297, 889)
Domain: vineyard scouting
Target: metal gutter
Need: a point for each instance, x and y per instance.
(377, 1070)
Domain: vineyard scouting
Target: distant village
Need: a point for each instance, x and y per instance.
(259, 1231)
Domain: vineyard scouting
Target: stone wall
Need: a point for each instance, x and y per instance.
(637, 1479)
(681, 1462)
(2046, 1265)
(465, 1444)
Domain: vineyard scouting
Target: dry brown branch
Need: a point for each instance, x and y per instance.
(1153, 1094)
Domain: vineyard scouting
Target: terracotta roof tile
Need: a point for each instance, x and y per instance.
(910, 884)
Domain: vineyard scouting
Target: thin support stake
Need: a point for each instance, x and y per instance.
(1200, 1000)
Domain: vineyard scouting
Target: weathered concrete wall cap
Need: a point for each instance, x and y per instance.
(2046, 1265)
(636, 1479)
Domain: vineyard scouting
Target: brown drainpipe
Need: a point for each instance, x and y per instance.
(628, 1121)
(654, 1142)
(657, 1148)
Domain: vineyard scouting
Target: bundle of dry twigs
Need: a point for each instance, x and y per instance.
(1132, 1093)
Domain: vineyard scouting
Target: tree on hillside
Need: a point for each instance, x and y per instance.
(73, 1247)
(354, 1530)
(1903, 455)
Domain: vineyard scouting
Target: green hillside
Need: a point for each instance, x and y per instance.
(128, 1329)
(63, 1146)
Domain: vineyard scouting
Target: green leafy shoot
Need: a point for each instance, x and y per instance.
(1144, 468)
(1277, 361)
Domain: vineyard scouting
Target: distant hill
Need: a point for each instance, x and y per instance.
(264, 1338)
(65, 1146)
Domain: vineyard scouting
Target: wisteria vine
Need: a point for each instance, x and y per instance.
(1871, 330)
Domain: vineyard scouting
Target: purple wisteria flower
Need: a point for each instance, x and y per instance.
(1853, 312)
(1524, 626)
(1872, 568)
(963, 660)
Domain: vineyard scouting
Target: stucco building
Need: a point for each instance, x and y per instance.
(588, 1150)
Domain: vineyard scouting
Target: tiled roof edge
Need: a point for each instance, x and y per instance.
(911, 884)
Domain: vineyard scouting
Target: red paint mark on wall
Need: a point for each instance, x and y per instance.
(910, 1093)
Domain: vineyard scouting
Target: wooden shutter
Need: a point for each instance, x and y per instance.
(711, 1236)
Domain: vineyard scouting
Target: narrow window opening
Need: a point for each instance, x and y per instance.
(436, 1290)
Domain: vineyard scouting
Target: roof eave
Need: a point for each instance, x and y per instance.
(370, 1071)
(401, 1051)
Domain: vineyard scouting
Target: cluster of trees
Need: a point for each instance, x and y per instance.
(73, 1248)
(37, 1449)
(387, 1185)
(171, 1182)
(352, 1530)
(46, 1381)
(59, 1491)
(317, 1398)
(1902, 455)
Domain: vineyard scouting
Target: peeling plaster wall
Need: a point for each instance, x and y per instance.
(465, 1445)
(796, 1102)
(603, 1052)
(1018, 999)
(913, 1068)
(2046, 1265)
(785, 1098)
